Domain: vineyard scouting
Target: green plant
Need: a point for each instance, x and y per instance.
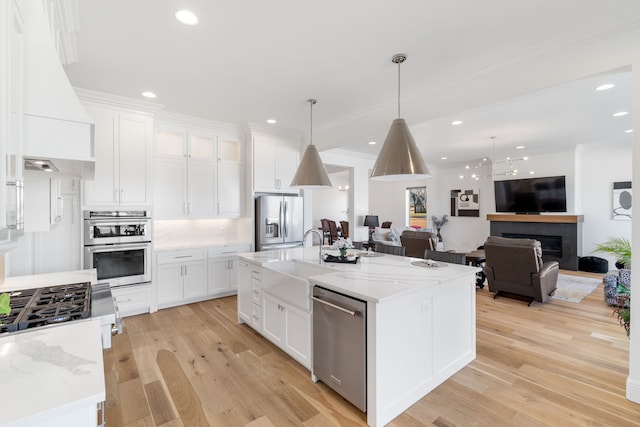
(623, 307)
(5, 308)
(618, 247)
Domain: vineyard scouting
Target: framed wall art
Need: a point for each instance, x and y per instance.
(622, 201)
(465, 203)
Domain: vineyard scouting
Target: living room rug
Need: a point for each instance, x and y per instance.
(574, 288)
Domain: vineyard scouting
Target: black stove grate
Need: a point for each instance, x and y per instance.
(31, 308)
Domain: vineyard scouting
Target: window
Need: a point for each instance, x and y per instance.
(417, 207)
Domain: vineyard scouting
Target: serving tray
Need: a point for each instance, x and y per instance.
(333, 258)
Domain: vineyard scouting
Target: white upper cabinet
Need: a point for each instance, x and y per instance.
(197, 173)
(123, 156)
(11, 123)
(275, 161)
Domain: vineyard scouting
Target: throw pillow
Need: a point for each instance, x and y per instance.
(393, 236)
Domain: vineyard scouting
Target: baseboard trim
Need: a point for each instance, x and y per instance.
(633, 390)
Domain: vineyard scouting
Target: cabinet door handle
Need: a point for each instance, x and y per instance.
(116, 195)
(185, 271)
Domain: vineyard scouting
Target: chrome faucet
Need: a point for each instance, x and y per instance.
(319, 234)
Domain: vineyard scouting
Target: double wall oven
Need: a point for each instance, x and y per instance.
(118, 245)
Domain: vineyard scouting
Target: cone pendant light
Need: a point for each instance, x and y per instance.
(399, 159)
(311, 173)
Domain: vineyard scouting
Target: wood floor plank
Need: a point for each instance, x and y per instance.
(133, 401)
(184, 398)
(553, 364)
(159, 403)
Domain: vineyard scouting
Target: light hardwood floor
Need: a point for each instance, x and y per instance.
(556, 364)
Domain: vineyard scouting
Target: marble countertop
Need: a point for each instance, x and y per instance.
(48, 371)
(373, 278)
(48, 279)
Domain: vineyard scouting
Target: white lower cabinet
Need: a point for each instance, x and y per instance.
(288, 327)
(186, 276)
(132, 300)
(223, 270)
(245, 305)
(181, 277)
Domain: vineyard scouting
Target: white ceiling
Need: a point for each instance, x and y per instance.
(524, 71)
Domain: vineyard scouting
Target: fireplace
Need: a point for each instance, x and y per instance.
(559, 235)
(551, 245)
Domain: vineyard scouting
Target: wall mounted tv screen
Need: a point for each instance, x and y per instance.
(531, 195)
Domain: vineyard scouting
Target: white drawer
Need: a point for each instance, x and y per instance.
(132, 300)
(256, 317)
(180, 256)
(256, 292)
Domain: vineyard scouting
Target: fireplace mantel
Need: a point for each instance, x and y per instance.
(557, 219)
(560, 235)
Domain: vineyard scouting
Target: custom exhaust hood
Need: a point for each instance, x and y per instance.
(57, 129)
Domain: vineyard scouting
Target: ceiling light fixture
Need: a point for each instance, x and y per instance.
(456, 122)
(187, 17)
(620, 113)
(443, 158)
(399, 158)
(272, 121)
(605, 86)
(628, 131)
(149, 94)
(311, 172)
(519, 147)
(372, 143)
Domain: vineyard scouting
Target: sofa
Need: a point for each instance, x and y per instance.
(416, 241)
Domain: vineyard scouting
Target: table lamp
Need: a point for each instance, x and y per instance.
(371, 221)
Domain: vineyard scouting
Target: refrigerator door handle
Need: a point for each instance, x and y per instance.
(280, 219)
(286, 220)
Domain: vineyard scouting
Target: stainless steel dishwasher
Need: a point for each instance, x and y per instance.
(340, 344)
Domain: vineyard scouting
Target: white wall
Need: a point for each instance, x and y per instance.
(602, 165)
(331, 203)
(358, 194)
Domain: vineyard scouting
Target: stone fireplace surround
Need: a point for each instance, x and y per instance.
(559, 235)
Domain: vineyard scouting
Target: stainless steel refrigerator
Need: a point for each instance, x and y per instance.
(279, 222)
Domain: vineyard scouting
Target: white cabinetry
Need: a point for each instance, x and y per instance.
(181, 277)
(132, 300)
(223, 270)
(288, 327)
(123, 155)
(245, 304)
(275, 160)
(197, 173)
(11, 122)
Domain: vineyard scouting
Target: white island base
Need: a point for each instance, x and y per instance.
(421, 322)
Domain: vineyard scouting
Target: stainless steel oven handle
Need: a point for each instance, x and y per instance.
(337, 307)
(118, 247)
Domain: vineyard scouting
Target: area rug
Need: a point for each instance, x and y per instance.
(574, 288)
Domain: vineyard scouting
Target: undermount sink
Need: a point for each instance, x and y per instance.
(299, 269)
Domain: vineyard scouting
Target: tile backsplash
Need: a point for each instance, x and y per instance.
(169, 234)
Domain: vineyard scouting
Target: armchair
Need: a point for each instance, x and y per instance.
(515, 268)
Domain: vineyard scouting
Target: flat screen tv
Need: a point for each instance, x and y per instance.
(531, 195)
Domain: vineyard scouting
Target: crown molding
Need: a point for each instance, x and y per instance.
(118, 102)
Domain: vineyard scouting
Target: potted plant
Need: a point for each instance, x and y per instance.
(5, 308)
(620, 248)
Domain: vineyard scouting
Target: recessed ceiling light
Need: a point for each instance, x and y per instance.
(372, 143)
(628, 131)
(620, 113)
(531, 172)
(466, 167)
(148, 94)
(605, 86)
(519, 147)
(272, 121)
(456, 122)
(186, 17)
(443, 158)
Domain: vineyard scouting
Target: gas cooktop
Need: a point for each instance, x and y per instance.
(32, 308)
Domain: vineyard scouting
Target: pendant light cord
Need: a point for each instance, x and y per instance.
(311, 102)
(399, 62)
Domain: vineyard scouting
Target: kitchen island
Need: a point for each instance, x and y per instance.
(53, 376)
(420, 325)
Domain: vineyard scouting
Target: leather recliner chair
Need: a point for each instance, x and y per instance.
(515, 268)
(415, 242)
